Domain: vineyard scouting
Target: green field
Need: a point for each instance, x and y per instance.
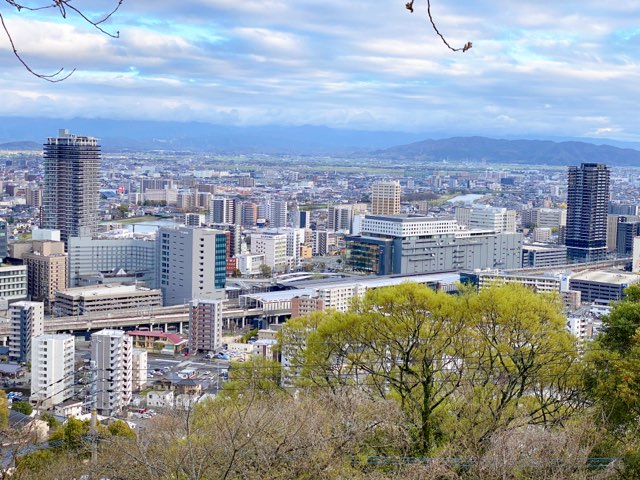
(132, 220)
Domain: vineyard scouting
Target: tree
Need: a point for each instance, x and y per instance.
(50, 419)
(4, 410)
(524, 369)
(120, 428)
(611, 374)
(258, 376)
(22, 407)
(461, 368)
(266, 271)
(70, 436)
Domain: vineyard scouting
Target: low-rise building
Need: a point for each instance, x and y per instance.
(160, 399)
(106, 298)
(602, 286)
(158, 342)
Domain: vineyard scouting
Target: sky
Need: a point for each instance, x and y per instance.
(543, 68)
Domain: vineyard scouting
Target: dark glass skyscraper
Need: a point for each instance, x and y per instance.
(71, 185)
(587, 205)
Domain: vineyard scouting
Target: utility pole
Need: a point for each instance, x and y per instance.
(94, 411)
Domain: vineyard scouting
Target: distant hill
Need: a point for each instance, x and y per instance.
(21, 146)
(526, 152)
(118, 135)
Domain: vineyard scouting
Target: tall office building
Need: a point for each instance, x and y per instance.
(71, 184)
(26, 320)
(385, 198)
(112, 350)
(192, 263)
(587, 206)
(52, 368)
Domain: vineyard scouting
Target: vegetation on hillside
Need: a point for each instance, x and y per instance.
(410, 384)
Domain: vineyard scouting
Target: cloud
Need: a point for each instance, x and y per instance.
(561, 68)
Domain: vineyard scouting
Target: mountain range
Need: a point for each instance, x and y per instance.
(19, 133)
(526, 152)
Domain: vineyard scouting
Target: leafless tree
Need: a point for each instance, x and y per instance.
(63, 8)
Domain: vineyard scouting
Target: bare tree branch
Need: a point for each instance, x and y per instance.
(61, 6)
(464, 48)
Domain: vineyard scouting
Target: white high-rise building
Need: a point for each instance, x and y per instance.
(278, 217)
(192, 263)
(139, 369)
(205, 326)
(274, 248)
(52, 369)
(112, 352)
(26, 321)
(385, 198)
(295, 239)
(71, 195)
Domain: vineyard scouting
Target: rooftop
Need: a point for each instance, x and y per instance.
(171, 337)
(616, 277)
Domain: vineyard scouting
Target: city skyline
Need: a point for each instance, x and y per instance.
(338, 64)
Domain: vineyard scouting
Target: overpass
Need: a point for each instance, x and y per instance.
(173, 318)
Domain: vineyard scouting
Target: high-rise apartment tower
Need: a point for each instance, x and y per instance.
(71, 184)
(587, 204)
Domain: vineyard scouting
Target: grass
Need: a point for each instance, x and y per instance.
(132, 220)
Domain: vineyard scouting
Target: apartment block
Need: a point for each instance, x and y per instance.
(274, 248)
(26, 321)
(112, 352)
(47, 266)
(71, 196)
(13, 282)
(52, 369)
(205, 326)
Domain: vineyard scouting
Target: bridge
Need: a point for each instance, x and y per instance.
(173, 318)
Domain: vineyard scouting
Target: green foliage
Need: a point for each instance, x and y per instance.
(247, 336)
(119, 428)
(266, 271)
(461, 368)
(70, 436)
(22, 407)
(258, 376)
(35, 462)
(4, 410)
(611, 377)
(50, 419)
